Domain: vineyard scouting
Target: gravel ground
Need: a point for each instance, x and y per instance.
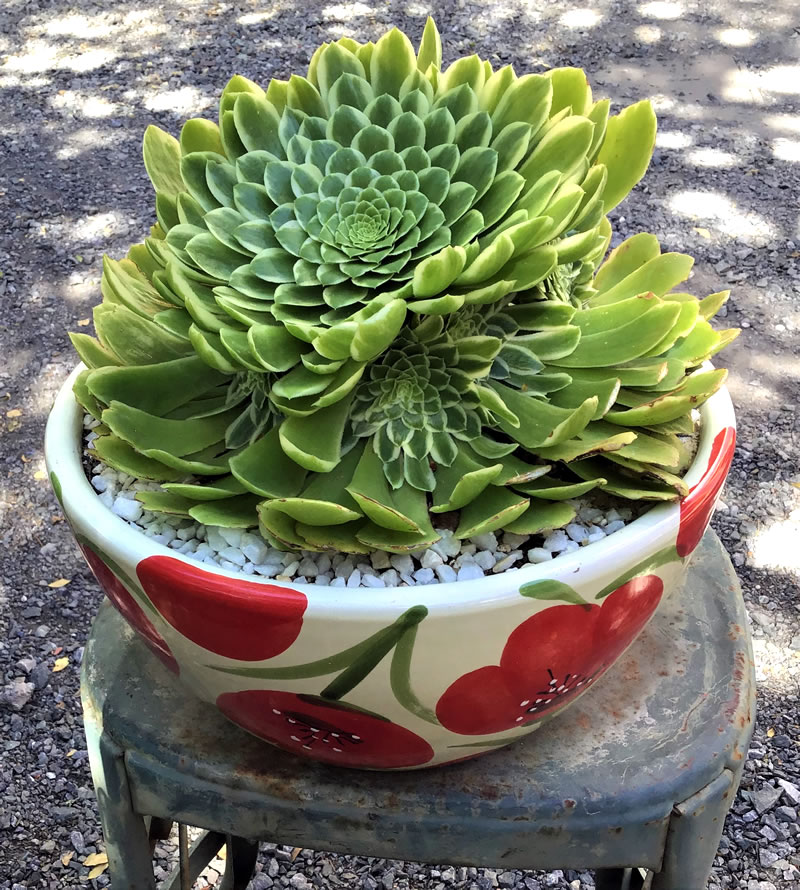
(79, 83)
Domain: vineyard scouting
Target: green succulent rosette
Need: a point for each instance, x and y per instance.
(372, 297)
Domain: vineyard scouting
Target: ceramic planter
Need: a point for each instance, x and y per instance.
(403, 677)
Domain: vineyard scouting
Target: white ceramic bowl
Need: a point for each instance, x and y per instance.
(396, 678)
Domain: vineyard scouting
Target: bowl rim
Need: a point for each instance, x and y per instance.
(646, 534)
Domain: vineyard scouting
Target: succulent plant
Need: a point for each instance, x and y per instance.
(372, 296)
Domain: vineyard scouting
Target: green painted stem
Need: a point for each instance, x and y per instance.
(382, 644)
(400, 678)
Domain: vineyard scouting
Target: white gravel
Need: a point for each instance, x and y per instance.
(447, 560)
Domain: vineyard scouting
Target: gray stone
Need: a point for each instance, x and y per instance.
(17, 693)
(765, 798)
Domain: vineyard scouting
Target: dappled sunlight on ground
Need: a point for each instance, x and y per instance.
(723, 212)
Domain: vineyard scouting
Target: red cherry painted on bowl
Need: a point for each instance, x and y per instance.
(245, 620)
(698, 505)
(127, 606)
(548, 660)
(328, 731)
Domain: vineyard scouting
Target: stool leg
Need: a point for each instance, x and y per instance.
(127, 840)
(240, 863)
(693, 836)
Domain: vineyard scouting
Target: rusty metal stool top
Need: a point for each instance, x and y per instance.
(640, 772)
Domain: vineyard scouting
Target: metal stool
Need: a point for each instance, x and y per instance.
(639, 773)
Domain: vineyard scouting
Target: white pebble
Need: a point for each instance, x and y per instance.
(507, 561)
(203, 550)
(402, 562)
(485, 559)
(230, 566)
(486, 541)
(589, 514)
(338, 582)
(186, 534)
(289, 570)
(323, 563)
(215, 539)
(407, 578)
(471, 549)
(273, 558)
(267, 570)
(539, 554)
(288, 558)
(233, 536)
(255, 551)
(248, 568)
(128, 509)
(100, 483)
(308, 567)
(379, 559)
(556, 541)
(365, 568)
(448, 545)
(187, 546)
(232, 554)
(445, 573)
(390, 578)
(578, 533)
(572, 546)
(614, 526)
(424, 576)
(470, 572)
(514, 541)
(355, 579)
(345, 568)
(430, 559)
(612, 515)
(323, 579)
(372, 581)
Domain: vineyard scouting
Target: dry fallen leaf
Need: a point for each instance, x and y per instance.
(770, 733)
(95, 859)
(59, 582)
(67, 858)
(40, 475)
(97, 871)
(71, 753)
(14, 412)
(84, 322)
(296, 853)
(702, 232)
(60, 664)
(222, 853)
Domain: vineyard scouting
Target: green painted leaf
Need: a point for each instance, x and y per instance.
(550, 589)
